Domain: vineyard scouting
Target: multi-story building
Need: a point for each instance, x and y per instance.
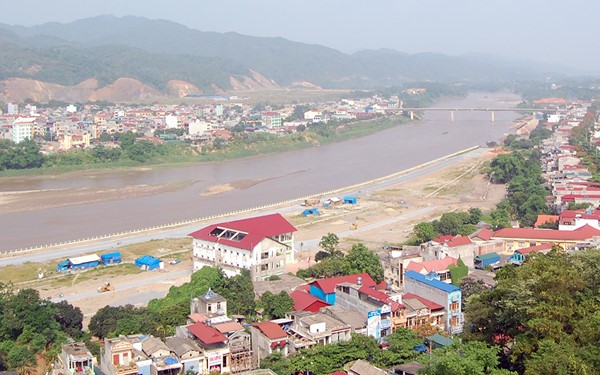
(214, 345)
(117, 357)
(22, 129)
(210, 303)
(432, 289)
(263, 245)
(75, 359)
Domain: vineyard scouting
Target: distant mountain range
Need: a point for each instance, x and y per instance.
(83, 58)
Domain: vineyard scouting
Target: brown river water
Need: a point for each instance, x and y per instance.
(37, 210)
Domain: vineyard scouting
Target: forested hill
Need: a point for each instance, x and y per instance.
(156, 51)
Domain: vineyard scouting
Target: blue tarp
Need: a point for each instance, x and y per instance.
(64, 265)
(311, 211)
(111, 258)
(148, 262)
(349, 200)
(170, 361)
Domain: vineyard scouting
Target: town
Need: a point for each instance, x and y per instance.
(67, 127)
(409, 299)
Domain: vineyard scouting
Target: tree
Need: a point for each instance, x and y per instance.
(359, 260)
(424, 232)
(329, 243)
(275, 306)
(472, 358)
(70, 318)
(475, 215)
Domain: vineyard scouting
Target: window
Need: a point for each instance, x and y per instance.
(218, 305)
(224, 361)
(454, 306)
(115, 359)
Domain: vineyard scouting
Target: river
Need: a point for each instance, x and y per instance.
(259, 180)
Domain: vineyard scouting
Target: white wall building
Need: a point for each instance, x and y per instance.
(22, 129)
(171, 121)
(263, 245)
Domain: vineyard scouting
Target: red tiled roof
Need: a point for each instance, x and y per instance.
(531, 249)
(484, 234)
(272, 330)
(328, 285)
(383, 285)
(459, 241)
(208, 335)
(572, 197)
(258, 228)
(431, 265)
(430, 304)
(307, 302)
(550, 101)
(443, 239)
(571, 214)
(584, 233)
(543, 219)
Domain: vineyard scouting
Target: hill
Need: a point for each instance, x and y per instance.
(155, 52)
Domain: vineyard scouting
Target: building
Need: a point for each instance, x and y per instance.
(117, 357)
(441, 266)
(214, 345)
(263, 245)
(422, 312)
(22, 129)
(383, 315)
(268, 338)
(272, 119)
(324, 289)
(394, 264)
(518, 238)
(164, 362)
(308, 329)
(304, 301)
(434, 290)
(362, 367)
(75, 359)
(209, 304)
(188, 352)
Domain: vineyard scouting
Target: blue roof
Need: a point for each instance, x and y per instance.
(111, 255)
(147, 259)
(449, 288)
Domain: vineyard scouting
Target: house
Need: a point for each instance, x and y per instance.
(362, 367)
(117, 357)
(75, 358)
(209, 304)
(164, 362)
(446, 295)
(382, 313)
(308, 329)
(410, 368)
(441, 266)
(519, 255)
(356, 320)
(214, 346)
(263, 245)
(518, 238)
(421, 312)
(324, 289)
(188, 352)
(304, 301)
(267, 338)
(394, 264)
(575, 219)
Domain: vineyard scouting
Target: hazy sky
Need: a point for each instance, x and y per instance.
(552, 31)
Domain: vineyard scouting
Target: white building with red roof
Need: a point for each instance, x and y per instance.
(440, 266)
(518, 238)
(575, 219)
(268, 338)
(263, 245)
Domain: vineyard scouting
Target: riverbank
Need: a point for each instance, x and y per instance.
(241, 147)
(181, 192)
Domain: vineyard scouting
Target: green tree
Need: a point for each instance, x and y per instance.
(275, 306)
(359, 260)
(424, 232)
(472, 358)
(329, 243)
